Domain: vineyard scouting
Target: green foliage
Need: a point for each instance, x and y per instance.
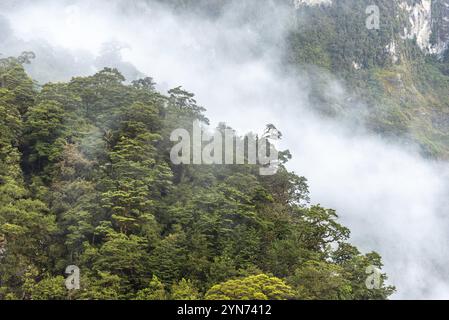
(338, 35)
(14, 78)
(184, 290)
(155, 291)
(86, 179)
(49, 288)
(260, 287)
(103, 286)
(321, 280)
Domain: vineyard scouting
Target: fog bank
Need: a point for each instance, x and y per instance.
(394, 201)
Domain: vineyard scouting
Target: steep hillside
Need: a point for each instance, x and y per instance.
(399, 71)
(86, 180)
(86, 176)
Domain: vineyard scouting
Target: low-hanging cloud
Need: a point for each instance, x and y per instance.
(394, 201)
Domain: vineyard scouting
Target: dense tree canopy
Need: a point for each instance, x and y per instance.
(86, 180)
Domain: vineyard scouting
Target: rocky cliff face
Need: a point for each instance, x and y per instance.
(419, 22)
(427, 21)
(428, 24)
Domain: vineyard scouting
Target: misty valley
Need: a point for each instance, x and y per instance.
(211, 150)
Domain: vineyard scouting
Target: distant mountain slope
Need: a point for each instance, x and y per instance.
(400, 71)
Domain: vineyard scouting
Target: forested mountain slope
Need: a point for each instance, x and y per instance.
(399, 70)
(86, 177)
(86, 180)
